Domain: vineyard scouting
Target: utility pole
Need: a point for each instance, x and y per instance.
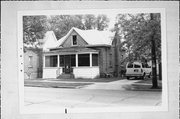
(153, 56)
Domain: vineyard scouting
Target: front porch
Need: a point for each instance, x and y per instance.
(79, 62)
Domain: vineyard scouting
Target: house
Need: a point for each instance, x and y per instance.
(32, 63)
(79, 54)
(33, 54)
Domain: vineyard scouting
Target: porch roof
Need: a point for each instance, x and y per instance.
(72, 50)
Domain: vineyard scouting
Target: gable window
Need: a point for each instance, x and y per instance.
(74, 39)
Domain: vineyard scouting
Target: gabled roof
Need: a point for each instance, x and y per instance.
(92, 37)
(50, 40)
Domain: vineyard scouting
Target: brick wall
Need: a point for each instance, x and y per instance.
(104, 60)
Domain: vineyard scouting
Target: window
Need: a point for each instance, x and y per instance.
(148, 66)
(74, 40)
(137, 66)
(130, 65)
(73, 60)
(143, 65)
(61, 60)
(83, 60)
(94, 59)
(30, 61)
(51, 61)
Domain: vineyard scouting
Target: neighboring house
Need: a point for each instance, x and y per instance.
(32, 63)
(79, 54)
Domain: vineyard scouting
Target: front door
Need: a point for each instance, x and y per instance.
(67, 64)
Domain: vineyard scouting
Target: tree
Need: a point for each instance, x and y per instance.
(99, 22)
(142, 38)
(61, 24)
(34, 27)
(89, 21)
(136, 32)
(102, 22)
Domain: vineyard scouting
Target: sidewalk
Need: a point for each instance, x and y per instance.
(102, 84)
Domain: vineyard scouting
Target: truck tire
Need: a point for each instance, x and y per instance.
(143, 76)
(149, 76)
(127, 77)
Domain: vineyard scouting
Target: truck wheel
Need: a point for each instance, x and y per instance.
(143, 76)
(127, 77)
(149, 76)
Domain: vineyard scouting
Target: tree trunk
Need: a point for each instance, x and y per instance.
(153, 53)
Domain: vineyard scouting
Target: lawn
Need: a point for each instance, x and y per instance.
(79, 80)
(65, 83)
(54, 84)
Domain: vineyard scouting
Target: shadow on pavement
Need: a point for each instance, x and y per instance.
(143, 85)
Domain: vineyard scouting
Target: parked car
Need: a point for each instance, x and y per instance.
(138, 69)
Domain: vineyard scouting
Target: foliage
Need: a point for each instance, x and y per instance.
(61, 24)
(102, 22)
(34, 27)
(137, 31)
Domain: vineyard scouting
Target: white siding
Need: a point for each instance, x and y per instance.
(86, 72)
(51, 72)
(79, 72)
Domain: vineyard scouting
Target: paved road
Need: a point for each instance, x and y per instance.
(36, 97)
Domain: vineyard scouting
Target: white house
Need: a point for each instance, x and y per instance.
(79, 54)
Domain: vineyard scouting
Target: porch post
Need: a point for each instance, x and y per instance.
(90, 59)
(57, 60)
(76, 60)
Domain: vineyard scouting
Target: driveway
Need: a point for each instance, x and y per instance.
(115, 85)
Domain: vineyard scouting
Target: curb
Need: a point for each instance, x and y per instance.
(156, 90)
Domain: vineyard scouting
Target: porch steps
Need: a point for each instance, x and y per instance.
(65, 76)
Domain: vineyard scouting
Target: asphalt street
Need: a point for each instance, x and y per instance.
(38, 97)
